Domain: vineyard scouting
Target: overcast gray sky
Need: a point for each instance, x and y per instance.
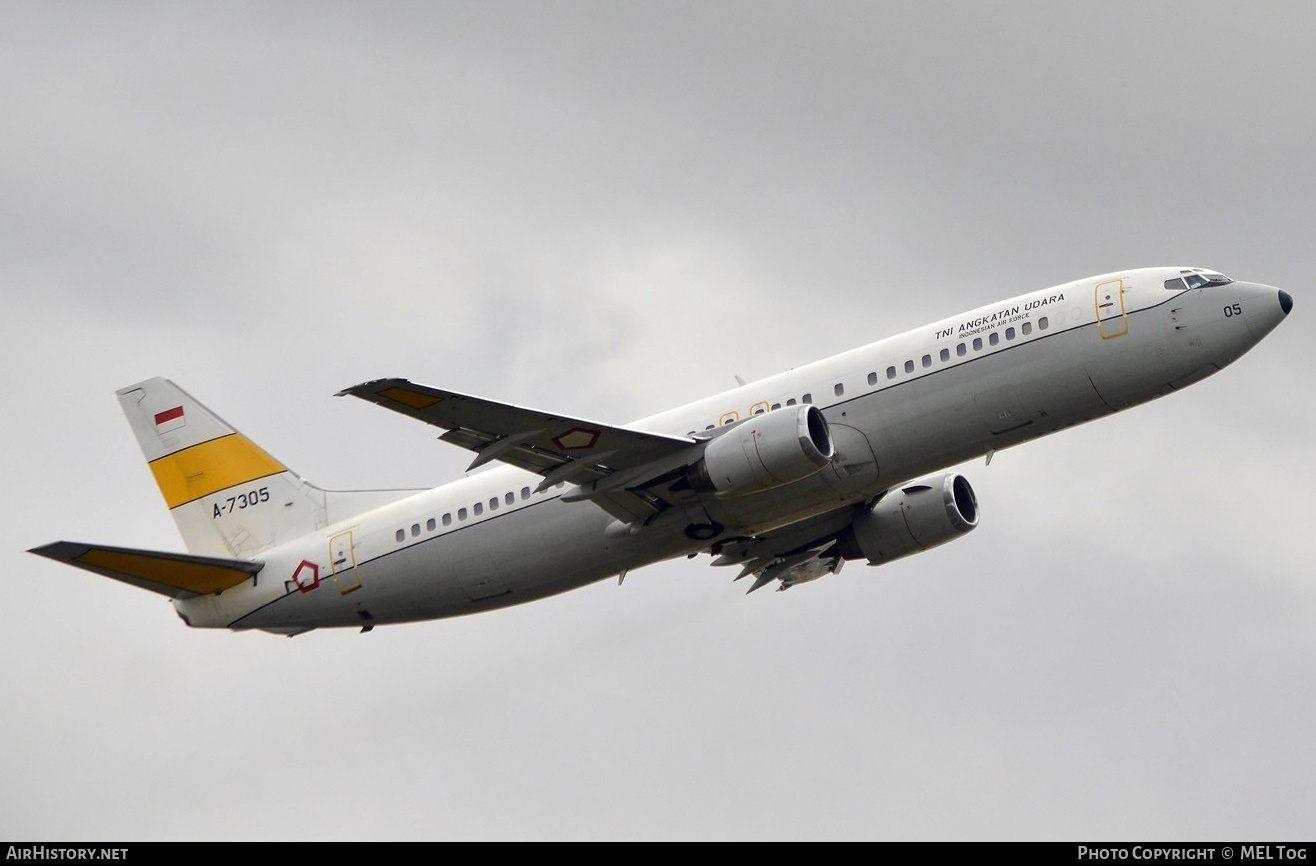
(607, 209)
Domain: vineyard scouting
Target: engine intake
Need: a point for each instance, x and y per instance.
(765, 451)
(910, 519)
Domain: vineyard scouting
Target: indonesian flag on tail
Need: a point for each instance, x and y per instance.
(170, 419)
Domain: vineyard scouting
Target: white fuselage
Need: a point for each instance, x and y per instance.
(898, 409)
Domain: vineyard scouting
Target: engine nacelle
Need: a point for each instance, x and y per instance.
(768, 450)
(911, 518)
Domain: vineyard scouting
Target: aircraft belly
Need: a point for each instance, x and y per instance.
(540, 551)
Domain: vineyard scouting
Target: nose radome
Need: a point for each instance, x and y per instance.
(1263, 314)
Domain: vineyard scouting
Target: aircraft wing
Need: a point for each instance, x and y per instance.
(613, 466)
(177, 575)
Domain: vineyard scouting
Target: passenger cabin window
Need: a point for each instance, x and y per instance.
(402, 535)
(891, 372)
(872, 378)
(525, 493)
(994, 338)
(461, 513)
(415, 529)
(493, 504)
(1009, 333)
(447, 519)
(431, 525)
(1043, 323)
(790, 402)
(977, 344)
(1027, 328)
(961, 350)
(776, 406)
(839, 389)
(478, 509)
(945, 355)
(927, 361)
(807, 398)
(909, 366)
(509, 499)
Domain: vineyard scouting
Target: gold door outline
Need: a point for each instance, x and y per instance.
(342, 558)
(1112, 320)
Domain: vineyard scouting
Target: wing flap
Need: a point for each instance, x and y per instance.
(172, 574)
(793, 554)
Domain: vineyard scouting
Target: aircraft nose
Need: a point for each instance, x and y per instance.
(1263, 314)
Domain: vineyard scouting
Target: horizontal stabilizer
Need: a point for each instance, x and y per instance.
(172, 574)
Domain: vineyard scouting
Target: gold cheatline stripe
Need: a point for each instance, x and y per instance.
(197, 577)
(211, 466)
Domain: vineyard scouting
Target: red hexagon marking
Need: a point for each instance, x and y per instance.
(577, 439)
(306, 585)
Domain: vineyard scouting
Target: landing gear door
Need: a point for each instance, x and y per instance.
(1112, 321)
(342, 556)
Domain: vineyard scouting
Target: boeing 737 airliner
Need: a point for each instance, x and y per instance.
(783, 479)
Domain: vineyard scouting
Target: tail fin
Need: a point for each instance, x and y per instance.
(228, 496)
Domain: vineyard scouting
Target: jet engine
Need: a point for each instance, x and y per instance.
(910, 519)
(767, 450)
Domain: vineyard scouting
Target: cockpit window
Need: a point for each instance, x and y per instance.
(1197, 280)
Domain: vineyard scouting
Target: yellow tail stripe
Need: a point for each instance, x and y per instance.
(209, 467)
(201, 578)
